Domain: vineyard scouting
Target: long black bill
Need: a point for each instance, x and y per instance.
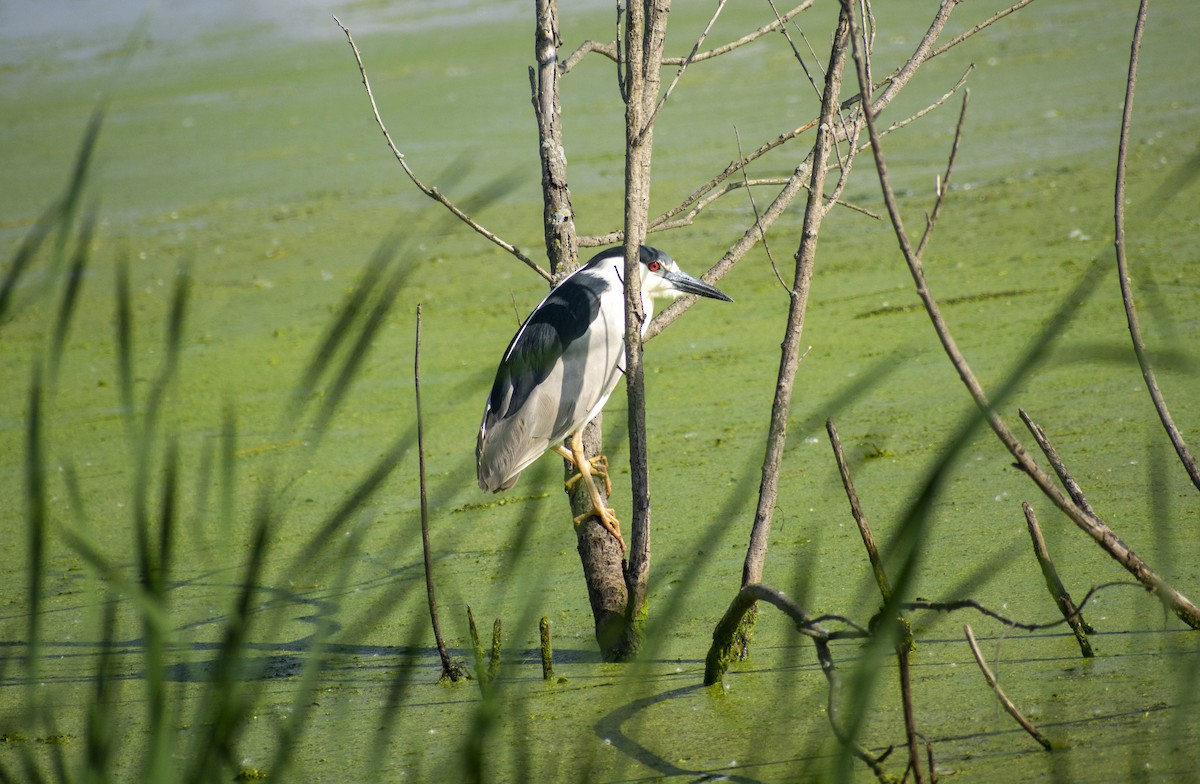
(690, 285)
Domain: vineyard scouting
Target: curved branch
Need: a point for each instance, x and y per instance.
(609, 50)
(1135, 333)
(1089, 523)
(431, 191)
(720, 653)
(1000, 695)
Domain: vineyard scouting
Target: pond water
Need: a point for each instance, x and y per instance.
(237, 144)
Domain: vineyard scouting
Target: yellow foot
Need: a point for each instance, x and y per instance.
(599, 467)
(608, 519)
(587, 467)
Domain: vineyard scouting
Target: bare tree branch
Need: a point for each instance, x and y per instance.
(717, 659)
(814, 213)
(749, 238)
(795, 183)
(599, 553)
(931, 221)
(432, 192)
(1000, 695)
(612, 50)
(1100, 531)
(897, 74)
(910, 721)
(645, 36)
(762, 233)
(689, 217)
(991, 20)
(451, 670)
(1135, 333)
(897, 81)
(864, 530)
(971, 604)
(1179, 604)
(683, 66)
(1054, 583)
(609, 50)
(1043, 441)
(796, 51)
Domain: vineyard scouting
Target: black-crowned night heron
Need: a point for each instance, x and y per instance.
(562, 365)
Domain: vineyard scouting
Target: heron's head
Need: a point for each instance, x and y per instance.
(662, 278)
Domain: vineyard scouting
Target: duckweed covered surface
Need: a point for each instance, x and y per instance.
(245, 154)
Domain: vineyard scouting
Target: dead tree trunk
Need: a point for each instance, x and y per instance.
(814, 214)
(599, 554)
(646, 29)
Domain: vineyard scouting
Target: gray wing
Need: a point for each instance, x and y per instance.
(538, 392)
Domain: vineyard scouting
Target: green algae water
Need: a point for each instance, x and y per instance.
(239, 179)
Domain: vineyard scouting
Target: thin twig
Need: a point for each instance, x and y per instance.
(1104, 535)
(609, 50)
(613, 50)
(664, 221)
(724, 634)
(945, 182)
(433, 192)
(919, 57)
(794, 184)
(683, 67)
(1000, 695)
(833, 711)
(910, 721)
(899, 73)
(933, 779)
(971, 604)
(450, 669)
(864, 530)
(688, 218)
(1135, 332)
(796, 50)
(734, 167)
(996, 17)
(1054, 584)
(1056, 462)
(762, 234)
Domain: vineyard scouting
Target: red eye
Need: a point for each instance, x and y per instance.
(654, 266)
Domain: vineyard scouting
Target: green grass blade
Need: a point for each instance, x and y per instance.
(100, 733)
(361, 493)
(355, 304)
(56, 219)
(72, 286)
(35, 489)
(124, 337)
(25, 254)
(226, 705)
(357, 352)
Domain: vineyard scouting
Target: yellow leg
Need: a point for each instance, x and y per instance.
(586, 468)
(599, 467)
